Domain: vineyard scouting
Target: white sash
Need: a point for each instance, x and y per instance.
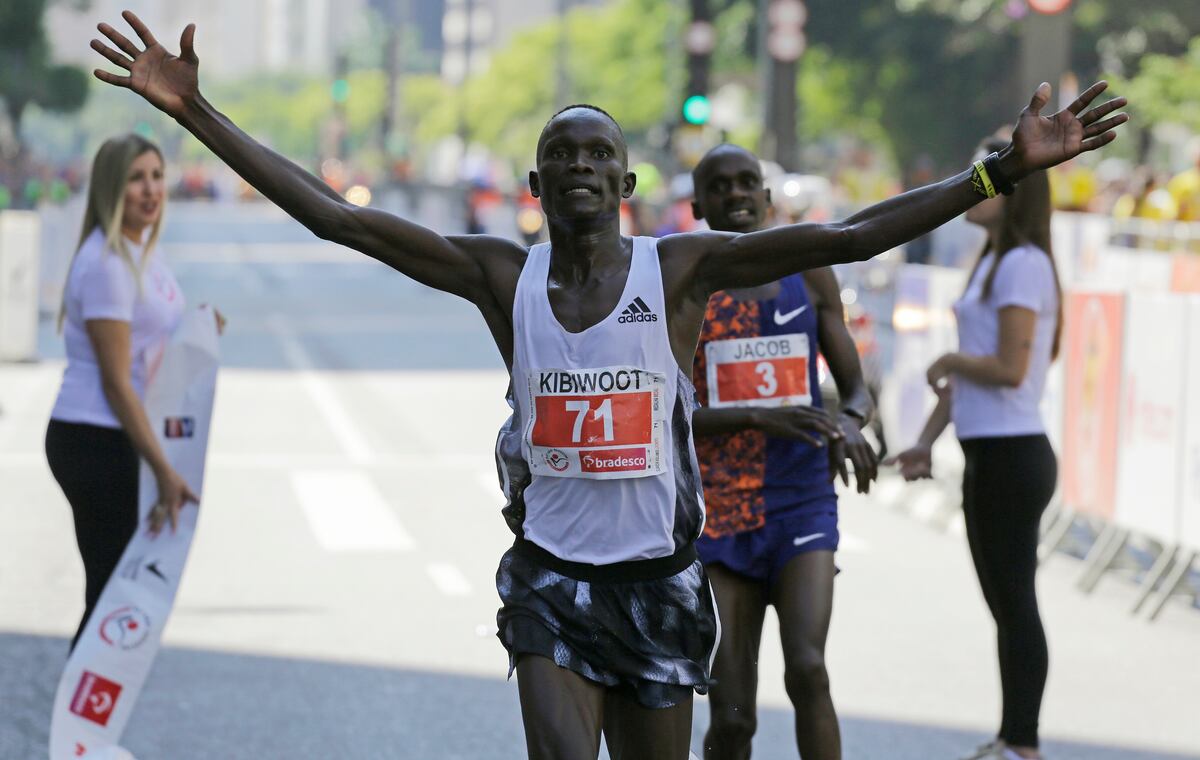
(106, 671)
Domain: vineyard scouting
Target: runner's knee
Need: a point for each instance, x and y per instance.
(805, 674)
(732, 724)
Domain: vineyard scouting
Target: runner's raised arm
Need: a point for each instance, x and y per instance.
(727, 260)
(171, 84)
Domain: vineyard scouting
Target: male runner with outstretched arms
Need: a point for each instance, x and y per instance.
(768, 452)
(606, 614)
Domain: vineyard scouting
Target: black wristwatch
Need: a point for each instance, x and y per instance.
(1000, 180)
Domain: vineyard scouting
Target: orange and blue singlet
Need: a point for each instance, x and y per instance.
(760, 353)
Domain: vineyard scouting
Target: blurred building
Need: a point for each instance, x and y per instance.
(473, 29)
(234, 38)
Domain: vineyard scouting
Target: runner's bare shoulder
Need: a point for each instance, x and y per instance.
(690, 245)
(500, 259)
(680, 256)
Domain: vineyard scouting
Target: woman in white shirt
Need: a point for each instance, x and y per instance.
(120, 304)
(1009, 327)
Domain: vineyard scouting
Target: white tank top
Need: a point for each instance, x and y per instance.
(597, 460)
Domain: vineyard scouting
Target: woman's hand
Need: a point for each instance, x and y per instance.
(169, 82)
(939, 372)
(173, 494)
(218, 317)
(915, 463)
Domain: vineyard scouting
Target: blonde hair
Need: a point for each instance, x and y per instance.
(106, 204)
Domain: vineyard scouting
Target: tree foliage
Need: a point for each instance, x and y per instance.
(290, 110)
(27, 75)
(1165, 88)
(940, 74)
(617, 58)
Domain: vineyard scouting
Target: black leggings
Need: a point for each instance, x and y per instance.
(1007, 484)
(97, 469)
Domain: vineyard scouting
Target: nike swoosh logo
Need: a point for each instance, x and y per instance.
(801, 541)
(783, 319)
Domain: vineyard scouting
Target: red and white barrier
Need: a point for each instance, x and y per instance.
(1094, 341)
(1189, 465)
(1152, 415)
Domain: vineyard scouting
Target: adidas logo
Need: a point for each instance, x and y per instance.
(637, 311)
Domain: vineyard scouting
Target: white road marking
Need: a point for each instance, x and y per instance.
(347, 513)
(265, 253)
(448, 579)
(489, 481)
(229, 460)
(852, 544)
(19, 389)
(349, 437)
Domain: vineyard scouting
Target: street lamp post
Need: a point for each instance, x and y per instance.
(562, 75)
(785, 43)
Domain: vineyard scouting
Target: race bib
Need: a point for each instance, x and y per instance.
(600, 423)
(767, 371)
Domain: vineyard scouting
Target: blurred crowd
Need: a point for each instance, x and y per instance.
(1113, 186)
(1140, 192)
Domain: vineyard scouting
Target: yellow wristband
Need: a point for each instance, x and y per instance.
(982, 182)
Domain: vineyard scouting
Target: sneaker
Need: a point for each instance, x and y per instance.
(997, 750)
(992, 749)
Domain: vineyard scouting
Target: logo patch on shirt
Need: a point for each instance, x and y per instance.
(637, 311)
(783, 319)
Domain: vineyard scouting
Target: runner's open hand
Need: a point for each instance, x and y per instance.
(1040, 142)
(169, 82)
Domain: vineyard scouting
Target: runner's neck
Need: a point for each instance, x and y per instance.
(579, 255)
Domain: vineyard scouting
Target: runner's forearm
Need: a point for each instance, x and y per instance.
(757, 258)
(907, 216)
(407, 247)
(298, 192)
(858, 405)
(706, 421)
(837, 346)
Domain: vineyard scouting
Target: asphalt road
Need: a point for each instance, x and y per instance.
(372, 635)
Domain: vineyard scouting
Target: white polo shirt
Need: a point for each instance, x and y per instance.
(101, 286)
(1025, 279)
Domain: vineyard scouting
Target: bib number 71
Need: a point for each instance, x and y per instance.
(581, 407)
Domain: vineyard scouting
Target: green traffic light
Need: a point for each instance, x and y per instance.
(697, 109)
(341, 90)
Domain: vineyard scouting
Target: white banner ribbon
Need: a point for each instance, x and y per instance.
(105, 673)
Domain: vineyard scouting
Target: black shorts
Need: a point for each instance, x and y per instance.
(653, 637)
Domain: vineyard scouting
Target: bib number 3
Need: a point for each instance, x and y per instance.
(768, 371)
(769, 384)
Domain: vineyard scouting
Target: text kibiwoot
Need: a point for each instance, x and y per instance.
(604, 381)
